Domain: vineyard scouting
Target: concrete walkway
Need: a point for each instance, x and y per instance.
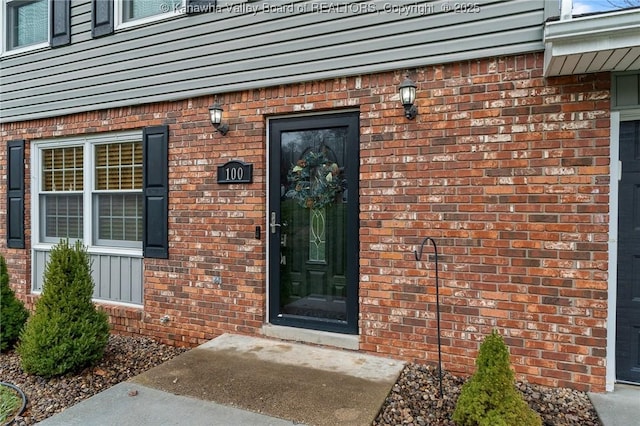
(130, 404)
(620, 407)
(240, 380)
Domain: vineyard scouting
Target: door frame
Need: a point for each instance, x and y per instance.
(612, 294)
(272, 166)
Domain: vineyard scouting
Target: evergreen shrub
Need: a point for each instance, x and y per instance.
(66, 331)
(13, 314)
(489, 397)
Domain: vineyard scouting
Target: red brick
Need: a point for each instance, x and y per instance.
(509, 174)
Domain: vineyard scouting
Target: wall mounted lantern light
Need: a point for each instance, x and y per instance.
(408, 96)
(215, 113)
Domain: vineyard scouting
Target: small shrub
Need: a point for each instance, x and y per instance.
(489, 397)
(66, 332)
(13, 314)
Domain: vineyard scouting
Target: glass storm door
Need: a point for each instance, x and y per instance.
(628, 296)
(313, 222)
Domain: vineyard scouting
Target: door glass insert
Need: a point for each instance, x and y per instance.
(313, 215)
(317, 240)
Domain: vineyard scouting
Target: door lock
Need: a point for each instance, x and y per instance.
(273, 223)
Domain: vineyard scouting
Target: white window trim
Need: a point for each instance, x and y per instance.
(170, 13)
(101, 242)
(94, 238)
(4, 48)
(88, 142)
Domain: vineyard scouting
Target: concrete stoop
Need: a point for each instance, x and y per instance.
(618, 408)
(246, 380)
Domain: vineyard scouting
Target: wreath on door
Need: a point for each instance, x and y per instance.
(314, 181)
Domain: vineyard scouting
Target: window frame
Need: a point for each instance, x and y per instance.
(95, 196)
(89, 230)
(42, 215)
(4, 17)
(120, 23)
(42, 193)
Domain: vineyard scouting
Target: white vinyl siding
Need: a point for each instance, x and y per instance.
(244, 47)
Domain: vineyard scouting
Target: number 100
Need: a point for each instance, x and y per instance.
(235, 173)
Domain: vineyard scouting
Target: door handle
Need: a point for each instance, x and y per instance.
(273, 223)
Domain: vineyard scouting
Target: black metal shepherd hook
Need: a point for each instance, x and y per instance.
(418, 257)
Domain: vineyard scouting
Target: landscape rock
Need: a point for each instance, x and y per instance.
(413, 400)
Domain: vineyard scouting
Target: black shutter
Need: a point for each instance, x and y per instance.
(101, 17)
(201, 6)
(60, 22)
(15, 194)
(155, 186)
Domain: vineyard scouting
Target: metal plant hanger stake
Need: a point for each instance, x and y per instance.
(418, 256)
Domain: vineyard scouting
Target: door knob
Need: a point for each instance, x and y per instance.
(273, 223)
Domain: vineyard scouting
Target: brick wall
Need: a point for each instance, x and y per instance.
(507, 170)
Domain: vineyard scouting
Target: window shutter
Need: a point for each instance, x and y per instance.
(60, 22)
(201, 6)
(155, 182)
(15, 194)
(101, 18)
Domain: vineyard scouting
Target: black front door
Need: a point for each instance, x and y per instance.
(313, 228)
(628, 300)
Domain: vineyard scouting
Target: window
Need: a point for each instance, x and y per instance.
(26, 23)
(96, 178)
(118, 193)
(92, 189)
(61, 196)
(140, 11)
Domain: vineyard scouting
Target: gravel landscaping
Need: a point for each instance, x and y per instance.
(413, 400)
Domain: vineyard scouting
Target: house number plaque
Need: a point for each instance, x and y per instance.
(235, 171)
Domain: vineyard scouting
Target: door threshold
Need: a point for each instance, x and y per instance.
(324, 338)
(627, 383)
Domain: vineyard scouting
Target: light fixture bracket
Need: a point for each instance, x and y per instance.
(221, 128)
(410, 111)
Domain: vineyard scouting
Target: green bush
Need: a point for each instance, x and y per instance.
(489, 397)
(66, 332)
(13, 314)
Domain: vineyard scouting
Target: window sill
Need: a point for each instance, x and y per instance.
(26, 49)
(150, 20)
(113, 251)
(105, 303)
